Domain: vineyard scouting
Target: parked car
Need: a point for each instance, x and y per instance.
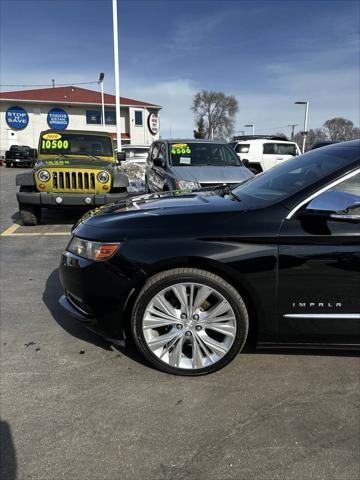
(259, 153)
(321, 144)
(191, 276)
(136, 153)
(74, 168)
(192, 164)
(20, 156)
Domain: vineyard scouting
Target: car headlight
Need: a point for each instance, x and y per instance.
(44, 175)
(103, 177)
(185, 185)
(97, 251)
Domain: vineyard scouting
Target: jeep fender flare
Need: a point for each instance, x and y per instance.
(120, 180)
(26, 179)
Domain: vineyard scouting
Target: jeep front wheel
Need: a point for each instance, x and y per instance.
(29, 215)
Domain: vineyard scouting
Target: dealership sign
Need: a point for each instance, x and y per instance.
(154, 123)
(17, 118)
(58, 119)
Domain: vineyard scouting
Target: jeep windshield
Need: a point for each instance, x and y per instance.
(202, 154)
(76, 144)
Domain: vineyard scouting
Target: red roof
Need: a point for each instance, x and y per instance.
(70, 95)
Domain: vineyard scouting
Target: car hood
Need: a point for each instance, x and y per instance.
(71, 162)
(147, 211)
(210, 174)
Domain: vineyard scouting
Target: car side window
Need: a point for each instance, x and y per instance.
(154, 152)
(268, 148)
(242, 148)
(350, 185)
(162, 151)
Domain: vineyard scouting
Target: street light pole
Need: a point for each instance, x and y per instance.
(101, 81)
(117, 80)
(304, 133)
(253, 127)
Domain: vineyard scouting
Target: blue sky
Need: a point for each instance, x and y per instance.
(266, 53)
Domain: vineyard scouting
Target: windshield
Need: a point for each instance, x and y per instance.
(199, 154)
(290, 177)
(76, 144)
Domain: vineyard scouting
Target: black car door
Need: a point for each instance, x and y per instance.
(319, 268)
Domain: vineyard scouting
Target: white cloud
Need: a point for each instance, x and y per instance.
(175, 96)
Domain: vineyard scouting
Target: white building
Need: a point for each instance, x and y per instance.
(24, 114)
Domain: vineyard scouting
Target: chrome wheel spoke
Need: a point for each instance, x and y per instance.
(223, 328)
(176, 353)
(197, 358)
(152, 321)
(181, 294)
(219, 309)
(163, 305)
(212, 344)
(202, 294)
(157, 342)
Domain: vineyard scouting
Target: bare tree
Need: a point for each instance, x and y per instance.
(339, 129)
(217, 111)
(200, 131)
(313, 136)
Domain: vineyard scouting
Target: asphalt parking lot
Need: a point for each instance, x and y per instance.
(75, 407)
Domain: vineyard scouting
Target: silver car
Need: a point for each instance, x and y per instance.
(192, 164)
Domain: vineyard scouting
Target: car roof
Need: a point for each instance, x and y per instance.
(81, 132)
(135, 146)
(188, 140)
(262, 140)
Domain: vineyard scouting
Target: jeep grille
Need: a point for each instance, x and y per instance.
(73, 181)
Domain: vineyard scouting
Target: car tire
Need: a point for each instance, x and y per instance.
(29, 215)
(203, 350)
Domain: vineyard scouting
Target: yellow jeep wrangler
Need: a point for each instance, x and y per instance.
(74, 168)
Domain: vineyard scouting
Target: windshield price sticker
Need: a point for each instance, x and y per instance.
(56, 144)
(180, 148)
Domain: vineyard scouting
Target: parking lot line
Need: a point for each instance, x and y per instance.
(10, 232)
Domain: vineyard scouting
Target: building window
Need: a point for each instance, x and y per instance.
(138, 118)
(110, 117)
(93, 117)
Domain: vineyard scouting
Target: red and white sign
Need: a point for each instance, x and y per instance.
(154, 123)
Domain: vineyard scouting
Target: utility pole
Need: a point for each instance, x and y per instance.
(292, 125)
(101, 81)
(117, 80)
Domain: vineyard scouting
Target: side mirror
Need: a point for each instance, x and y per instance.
(121, 156)
(336, 205)
(158, 162)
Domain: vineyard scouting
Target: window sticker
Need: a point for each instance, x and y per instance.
(180, 148)
(57, 163)
(185, 161)
(52, 136)
(55, 144)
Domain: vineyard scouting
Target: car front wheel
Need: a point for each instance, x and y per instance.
(188, 321)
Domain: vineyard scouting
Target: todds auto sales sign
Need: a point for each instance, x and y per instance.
(153, 123)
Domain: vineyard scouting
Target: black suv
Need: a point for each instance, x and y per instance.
(20, 156)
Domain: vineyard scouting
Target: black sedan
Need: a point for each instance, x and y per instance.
(191, 276)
